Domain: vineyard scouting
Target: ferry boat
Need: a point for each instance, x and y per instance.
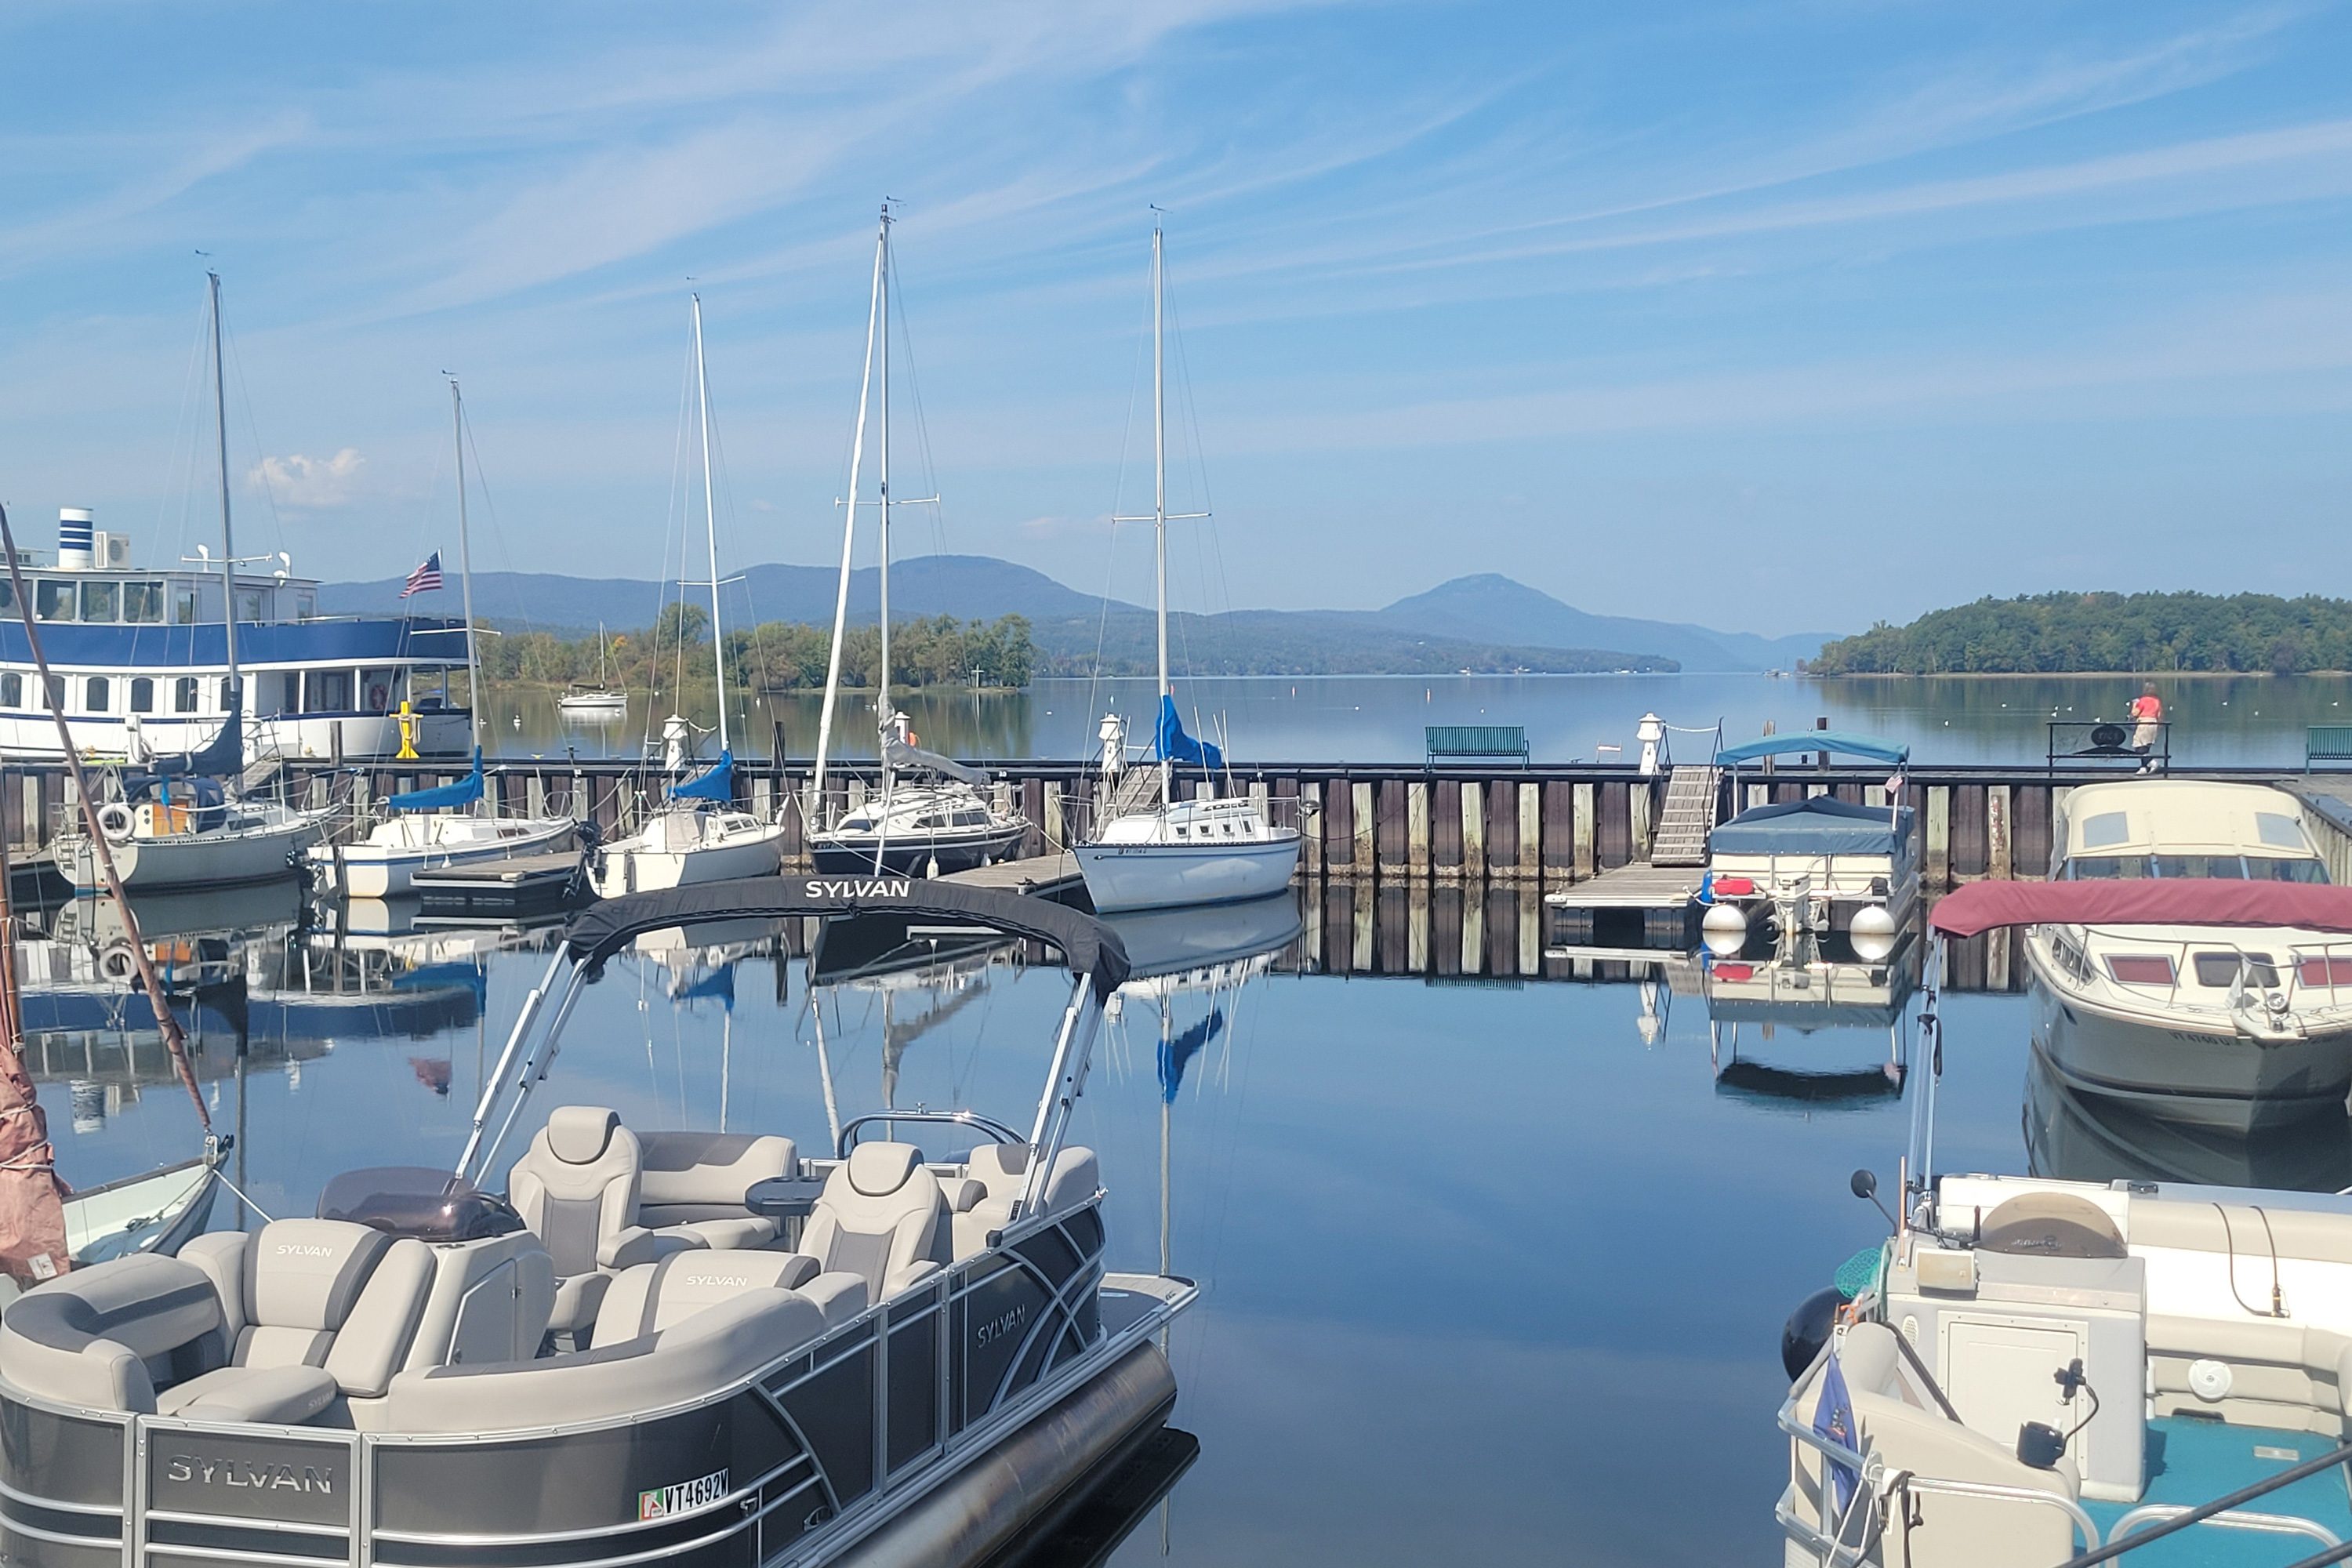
(128, 642)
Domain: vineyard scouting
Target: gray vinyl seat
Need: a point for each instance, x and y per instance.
(695, 1181)
(102, 1337)
(653, 1298)
(311, 1310)
(995, 1176)
(879, 1227)
(578, 1188)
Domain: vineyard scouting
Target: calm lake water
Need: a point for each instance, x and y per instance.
(1492, 1268)
(2247, 719)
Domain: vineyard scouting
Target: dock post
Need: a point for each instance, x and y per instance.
(1637, 813)
(1474, 929)
(1416, 827)
(1998, 856)
(1939, 836)
(1395, 828)
(1531, 835)
(1310, 829)
(1585, 828)
(1474, 843)
(1359, 797)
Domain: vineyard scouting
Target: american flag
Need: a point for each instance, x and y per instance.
(425, 578)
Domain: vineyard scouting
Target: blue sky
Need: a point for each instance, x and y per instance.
(1770, 316)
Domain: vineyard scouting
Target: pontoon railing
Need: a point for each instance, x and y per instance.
(847, 1139)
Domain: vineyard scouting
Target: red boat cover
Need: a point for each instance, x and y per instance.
(2164, 902)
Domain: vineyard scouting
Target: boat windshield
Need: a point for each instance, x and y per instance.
(2229, 867)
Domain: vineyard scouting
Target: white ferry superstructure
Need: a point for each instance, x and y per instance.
(125, 641)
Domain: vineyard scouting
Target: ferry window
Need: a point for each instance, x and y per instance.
(2279, 831)
(2141, 969)
(2226, 866)
(330, 692)
(98, 694)
(2219, 968)
(12, 691)
(183, 607)
(229, 695)
(143, 694)
(143, 603)
(98, 601)
(183, 694)
(8, 593)
(248, 605)
(53, 600)
(305, 606)
(2303, 870)
(2106, 829)
(56, 689)
(376, 687)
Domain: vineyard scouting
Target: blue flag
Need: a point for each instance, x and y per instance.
(1833, 1420)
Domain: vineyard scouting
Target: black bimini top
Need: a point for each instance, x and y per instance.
(1088, 946)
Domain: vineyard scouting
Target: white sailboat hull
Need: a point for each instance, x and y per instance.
(194, 860)
(384, 865)
(676, 849)
(1124, 876)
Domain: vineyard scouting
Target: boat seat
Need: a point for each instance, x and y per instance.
(999, 1170)
(101, 1337)
(653, 1297)
(695, 1182)
(311, 1310)
(879, 1227)
(578, 1188)
(714, 1348)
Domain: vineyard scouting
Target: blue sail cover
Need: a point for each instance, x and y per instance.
(465, 792)
(1176, 1054)
(718, 985)
(1172, 745)
(718, 784)
(223, 756)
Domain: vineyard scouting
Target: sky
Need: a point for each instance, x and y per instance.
(1775, 317)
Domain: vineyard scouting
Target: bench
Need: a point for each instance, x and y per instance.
(1455, 743)
(2326, 743)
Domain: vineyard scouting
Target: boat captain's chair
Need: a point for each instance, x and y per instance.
(983, 1202)
(879, 1227)
(578, 1187)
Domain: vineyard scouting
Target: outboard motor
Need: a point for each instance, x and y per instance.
(1807, 1330)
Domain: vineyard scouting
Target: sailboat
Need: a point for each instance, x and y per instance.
(598, 702)
(938, 821)
(180, 822)
(698, 834)
(1179, 852)
(453, 825)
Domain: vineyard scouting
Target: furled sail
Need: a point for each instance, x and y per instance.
(904, 756)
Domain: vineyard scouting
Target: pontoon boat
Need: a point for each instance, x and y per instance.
(1813, 866)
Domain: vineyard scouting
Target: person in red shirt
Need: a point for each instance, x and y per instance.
(2147, 714)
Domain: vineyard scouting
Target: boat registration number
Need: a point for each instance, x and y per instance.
(665, 1502)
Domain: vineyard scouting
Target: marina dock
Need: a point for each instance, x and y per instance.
(520, 884)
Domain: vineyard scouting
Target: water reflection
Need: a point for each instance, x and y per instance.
(2085, 1138)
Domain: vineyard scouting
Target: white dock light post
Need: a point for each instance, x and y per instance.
(1651, 732)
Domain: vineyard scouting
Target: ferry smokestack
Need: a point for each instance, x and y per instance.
(75, 543)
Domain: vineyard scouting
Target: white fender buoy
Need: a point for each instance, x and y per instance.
(116, 821)
(1724, 930)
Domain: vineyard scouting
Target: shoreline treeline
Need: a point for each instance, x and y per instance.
(775, 655)
(2063, 633)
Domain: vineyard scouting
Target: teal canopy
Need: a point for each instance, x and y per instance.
(465, 792)
(1843, 742)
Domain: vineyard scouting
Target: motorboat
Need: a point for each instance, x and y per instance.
(2036, 1371)
(697, 834)
(930, 819)
(455, 824)
(1170, 852)
(684, 1345)
(2233, 1028)
(1813, 866)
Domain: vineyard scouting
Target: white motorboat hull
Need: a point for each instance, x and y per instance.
(613, 706)
(194, 859)
(1121, 877)
(2206, 1078)
(644, 863)
(384, 865)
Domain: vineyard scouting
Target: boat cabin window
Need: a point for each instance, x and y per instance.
(100, 600)
(2105, 830)
(2278, 830)
(969, 818)
(379, 685)
(2329, 971)
(183, 694)
(97, 695)
(56, 690)
(2297, 868)
(53, 600)
(143, 694)
(2099, 867)
(12, 691)
(248, 605)
(7, 593)
(227, 697)
(2140, 969)
(2221, 968)
(2226, 866)
(326, 690)
(143, 603)
(183, 607)
(2070, 958)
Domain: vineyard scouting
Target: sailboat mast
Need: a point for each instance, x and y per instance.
(848, 537)
(882, 698)
(228, 536)
(710, 524)
(1159, 496)
(466, 570)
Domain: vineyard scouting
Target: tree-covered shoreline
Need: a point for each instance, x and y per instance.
(776, 656)
(2068, 633)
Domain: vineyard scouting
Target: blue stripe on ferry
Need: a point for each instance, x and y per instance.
(202, 646)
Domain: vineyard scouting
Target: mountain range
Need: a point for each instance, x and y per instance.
(1484, 622)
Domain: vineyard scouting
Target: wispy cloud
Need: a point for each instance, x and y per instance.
(309, 483)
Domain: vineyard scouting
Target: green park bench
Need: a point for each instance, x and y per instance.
(2326, 743)
(1459, 743)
